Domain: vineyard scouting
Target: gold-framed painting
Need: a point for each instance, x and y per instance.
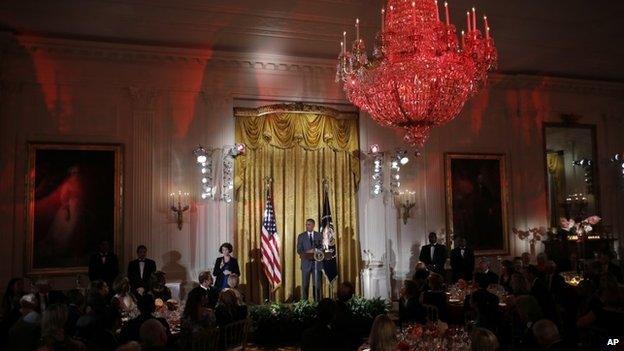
(73, 203)
(477, 194)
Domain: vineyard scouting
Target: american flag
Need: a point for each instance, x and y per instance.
(269, 247)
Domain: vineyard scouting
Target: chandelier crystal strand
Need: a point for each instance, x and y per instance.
(419, 76)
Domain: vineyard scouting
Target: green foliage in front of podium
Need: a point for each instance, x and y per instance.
(279, 323)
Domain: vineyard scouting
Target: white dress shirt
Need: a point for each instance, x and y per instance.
(432, 251)
(141, 267)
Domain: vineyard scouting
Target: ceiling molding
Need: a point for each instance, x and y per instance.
(25, 45)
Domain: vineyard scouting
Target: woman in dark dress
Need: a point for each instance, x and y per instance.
(224, 266)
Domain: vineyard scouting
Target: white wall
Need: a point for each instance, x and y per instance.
(161, 102)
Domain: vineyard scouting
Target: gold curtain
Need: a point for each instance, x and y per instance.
(297, 150)
(556, 174)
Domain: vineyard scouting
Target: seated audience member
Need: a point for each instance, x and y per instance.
(345, 292)
(321, 335)
(90, 323)
(525, 312)
(483, 340)
(436, 296)
(53, 335)
(206, 288)
(228, 310)
(539, 290)
(609, 268)
(153, 336)
(46, 295)
(11, 302)
(146, 305)
(484, 267)
(606, 310)
(541, 260)
(518, 265)
(526, 260)
(420, 278)
(519, 285)
(129, 346)
(382, 336)
(232, 281)
(75, 309)
(106, 337)
(123, 299)
(410, 308)
(484, 303)
(547, 336)
(462, 261)
(25, 333)
(158, 285)
(197, 315)
(554, 281)
(507, 271)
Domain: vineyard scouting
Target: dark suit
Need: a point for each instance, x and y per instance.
(492, 277)
(211, 294)
(486, 305)
(439, 257)
(307, 266)
(539, 290)
(134, 273)
(104, 267)
(462, 265)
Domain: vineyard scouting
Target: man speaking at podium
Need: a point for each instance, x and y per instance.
(306, 243)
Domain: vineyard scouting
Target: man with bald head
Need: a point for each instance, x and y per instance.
(547, 336)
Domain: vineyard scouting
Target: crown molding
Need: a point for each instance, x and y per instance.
(84, 49)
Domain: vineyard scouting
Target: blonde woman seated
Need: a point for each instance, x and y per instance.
(232, 282)
(382, 336)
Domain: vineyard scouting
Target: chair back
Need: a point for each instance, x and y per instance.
(206, 340)
(235, 334)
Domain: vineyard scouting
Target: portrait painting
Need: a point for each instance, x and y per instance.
(73, 204)
(476, 201)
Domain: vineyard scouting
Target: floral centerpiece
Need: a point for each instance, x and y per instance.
(579, 230)
(433, 336)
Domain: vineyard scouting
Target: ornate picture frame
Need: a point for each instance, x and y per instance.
(73, 202)
(477, 201)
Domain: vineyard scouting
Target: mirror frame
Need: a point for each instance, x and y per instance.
(592, 130)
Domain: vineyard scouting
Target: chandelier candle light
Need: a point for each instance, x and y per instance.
(405, 201)
(419, 75)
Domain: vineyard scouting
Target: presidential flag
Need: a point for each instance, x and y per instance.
(269, 246)
(329, 239)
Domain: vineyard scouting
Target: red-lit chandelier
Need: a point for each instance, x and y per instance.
(420, 74)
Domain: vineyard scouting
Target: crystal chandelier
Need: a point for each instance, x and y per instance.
(420, 74)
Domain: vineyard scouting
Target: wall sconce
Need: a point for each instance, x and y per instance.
(203, 158)
(618, 161)
(376, 182)
(230, 153)
(180, 207)
(404, 201)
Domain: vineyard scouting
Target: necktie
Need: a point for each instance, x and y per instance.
(311, 239)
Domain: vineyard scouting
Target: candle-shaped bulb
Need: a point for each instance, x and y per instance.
(463, 40)
(437, 10)
(474, 19)
(383, 11)
(446, 13)
(413, 3)
(357, 30)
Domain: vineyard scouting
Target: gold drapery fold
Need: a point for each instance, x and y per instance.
(298, 151)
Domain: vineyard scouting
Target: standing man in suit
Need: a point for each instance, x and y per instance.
(140, 271)
(462, 261)
(434, 255)
(103, 265)
(306, 243)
